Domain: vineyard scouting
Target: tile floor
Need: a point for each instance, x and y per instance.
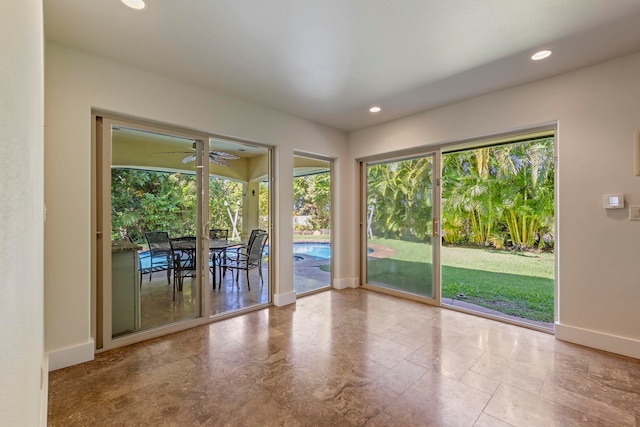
(350, 357)
(159, 308)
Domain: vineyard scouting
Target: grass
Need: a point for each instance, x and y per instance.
(310, 237)
(514, 283)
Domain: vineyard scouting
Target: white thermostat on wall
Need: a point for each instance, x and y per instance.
(613, 201)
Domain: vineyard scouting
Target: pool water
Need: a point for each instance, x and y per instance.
(316, 250)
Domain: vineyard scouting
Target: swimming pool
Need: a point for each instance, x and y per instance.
(313, 249)
(317, 250)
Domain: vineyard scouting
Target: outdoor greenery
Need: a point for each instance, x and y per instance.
(497, 210)
(400, 199)
(515, 283)
(499, 196)
(263, 206)
(143, 200)
(312, 197)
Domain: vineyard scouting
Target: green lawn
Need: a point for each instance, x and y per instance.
(519, 284)
(311, 238)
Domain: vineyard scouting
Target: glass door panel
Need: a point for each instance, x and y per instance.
(498, 227)
(154, 182)
(238, 205)
(311, 224)
(400, 219)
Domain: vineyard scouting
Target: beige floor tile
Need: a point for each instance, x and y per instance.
(442, 360)
(481, 382)
(588, 405)
(347, 358)
(385, 352)
(485, 420)
(524, 409)
(402, 376)
(438, 400)
(605, 393)
(509, 371)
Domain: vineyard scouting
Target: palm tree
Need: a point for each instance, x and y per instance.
(528, 199)
(500, 194)
(402, 192)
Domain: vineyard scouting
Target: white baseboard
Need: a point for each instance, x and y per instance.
(280, 300)
(70, 356)
(345, 283)
(600, 340)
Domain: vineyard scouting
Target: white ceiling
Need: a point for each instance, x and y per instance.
(330, 60)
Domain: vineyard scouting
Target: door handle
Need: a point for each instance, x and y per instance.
(434, 227)
(205, 230)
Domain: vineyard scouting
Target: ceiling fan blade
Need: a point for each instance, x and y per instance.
(216, 157)
(189, 158)
(223, 155)
(219, 162)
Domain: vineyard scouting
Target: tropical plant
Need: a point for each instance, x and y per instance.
(400, 195)
(223, 191)
(144, 200)
(312, 197)
(500, 195)
(263, 205)
(494, 196)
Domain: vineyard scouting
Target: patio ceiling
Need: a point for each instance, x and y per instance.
(137, 149)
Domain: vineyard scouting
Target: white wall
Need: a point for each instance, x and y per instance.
(597, 110)
(21, 211)
(77, 82)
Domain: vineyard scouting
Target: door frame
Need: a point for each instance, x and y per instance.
(435, 153)
(549, 129)
(331, 161)
(101, 219)
(440, 148)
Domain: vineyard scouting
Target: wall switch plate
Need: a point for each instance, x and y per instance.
(634, 213)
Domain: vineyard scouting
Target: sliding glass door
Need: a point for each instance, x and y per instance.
(174, 216)
(149, 185)
(401, 218)
(498, 227)
(238, 206)
(311, 224)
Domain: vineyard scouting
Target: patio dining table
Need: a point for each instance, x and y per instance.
(217, 247)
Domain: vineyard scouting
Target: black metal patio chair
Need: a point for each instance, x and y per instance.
(160, 258)
(249, 258)
(183, 250)
(216, 256)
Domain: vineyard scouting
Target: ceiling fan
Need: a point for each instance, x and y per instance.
(216, 157)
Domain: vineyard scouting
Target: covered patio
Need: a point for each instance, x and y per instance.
(154, 180)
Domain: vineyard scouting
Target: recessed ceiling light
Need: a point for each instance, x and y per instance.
(541, 55)
(375, 109)
(134, 4)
